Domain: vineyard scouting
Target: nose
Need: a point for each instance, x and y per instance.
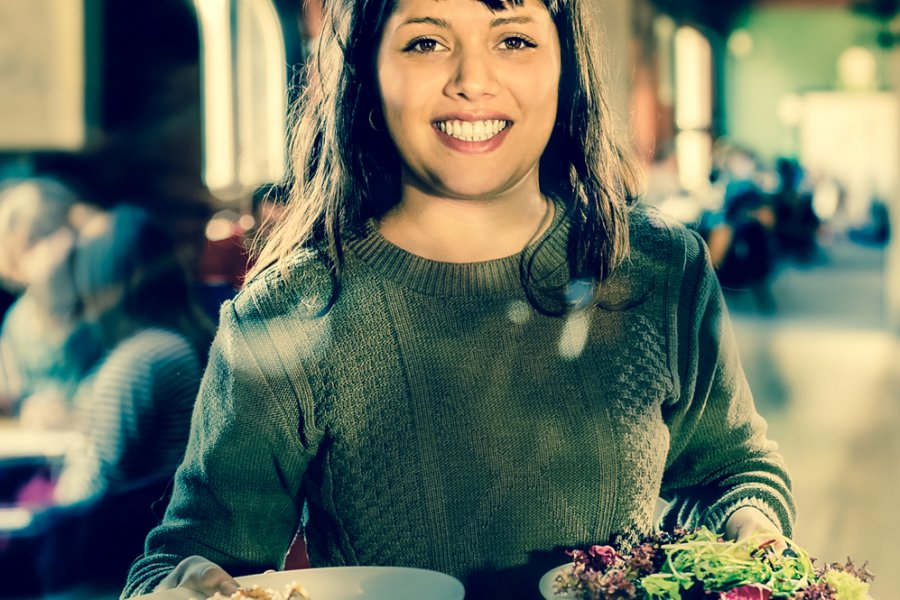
(473, 76)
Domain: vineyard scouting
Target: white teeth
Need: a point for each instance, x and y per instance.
(473, 131)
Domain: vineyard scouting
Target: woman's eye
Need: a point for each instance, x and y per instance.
(517, 43)
(422, 46)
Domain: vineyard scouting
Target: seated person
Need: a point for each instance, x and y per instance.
(135, 295)
(44, 352)
(133, 407)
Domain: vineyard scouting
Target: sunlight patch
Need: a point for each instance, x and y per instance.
(519, 312)
(574, 335)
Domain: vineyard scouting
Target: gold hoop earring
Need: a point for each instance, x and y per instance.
(372, 120)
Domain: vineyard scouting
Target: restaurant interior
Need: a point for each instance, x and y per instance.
(772, 127)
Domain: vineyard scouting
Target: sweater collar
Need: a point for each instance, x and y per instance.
(435, 278)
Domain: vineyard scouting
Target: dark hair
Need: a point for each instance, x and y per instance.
(128, 277)
(344, 172)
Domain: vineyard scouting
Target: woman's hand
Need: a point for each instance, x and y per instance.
(200, 575)
(747, 520)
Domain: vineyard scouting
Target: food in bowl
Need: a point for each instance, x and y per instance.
(292, 591)
(699, 564)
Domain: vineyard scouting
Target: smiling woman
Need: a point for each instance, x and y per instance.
(367, 138)
(480, 81)
(462, 348)
(470, 100)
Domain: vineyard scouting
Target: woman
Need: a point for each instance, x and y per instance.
(133, 407)
(460, 349)
(135, 403)
(44, 349)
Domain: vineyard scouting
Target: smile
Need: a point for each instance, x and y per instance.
(472, 131)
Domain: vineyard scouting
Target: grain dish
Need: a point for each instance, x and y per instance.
(292, 591)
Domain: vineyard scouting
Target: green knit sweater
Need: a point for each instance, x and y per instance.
(432, 418)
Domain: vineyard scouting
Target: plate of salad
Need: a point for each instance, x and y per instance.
(699, 565)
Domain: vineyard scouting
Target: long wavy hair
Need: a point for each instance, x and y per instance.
(344, 172)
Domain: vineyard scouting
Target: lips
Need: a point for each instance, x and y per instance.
(473, 133)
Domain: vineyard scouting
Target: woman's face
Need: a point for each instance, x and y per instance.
(469, 95)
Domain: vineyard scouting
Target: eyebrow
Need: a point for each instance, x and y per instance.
(522, 20)
(443, 24)
(427, 21)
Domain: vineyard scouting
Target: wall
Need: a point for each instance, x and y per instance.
(892, 264)
(795, 50)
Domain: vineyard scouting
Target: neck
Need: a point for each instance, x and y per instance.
(466, 230)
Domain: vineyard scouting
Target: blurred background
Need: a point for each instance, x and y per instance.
(140, 148)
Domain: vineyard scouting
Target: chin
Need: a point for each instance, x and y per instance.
(473, 190)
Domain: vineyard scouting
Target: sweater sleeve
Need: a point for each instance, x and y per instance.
(236, 498)
(719, 458)
(138, 416)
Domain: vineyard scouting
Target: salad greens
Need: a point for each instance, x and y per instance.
(698, 564)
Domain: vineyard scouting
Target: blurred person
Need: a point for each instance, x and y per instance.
(741, 173)
(30, 209)
(44, 350)
(462, 348)
(796, 223)
(227, 256)
(741, 246)
(877, 231)
(133, 407)
(224, 260)
(135, 295)
(739, 231)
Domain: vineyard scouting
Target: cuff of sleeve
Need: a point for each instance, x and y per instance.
(717, 517)
(145, 582)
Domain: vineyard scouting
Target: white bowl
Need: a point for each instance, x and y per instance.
(546, 585)
(348, 583)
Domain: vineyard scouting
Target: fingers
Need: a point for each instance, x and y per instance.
(746, 521)
(778, 542)
(200, 575)
(211, 579)
(752, 523)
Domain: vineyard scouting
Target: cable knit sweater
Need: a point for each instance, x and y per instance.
(432, 418)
